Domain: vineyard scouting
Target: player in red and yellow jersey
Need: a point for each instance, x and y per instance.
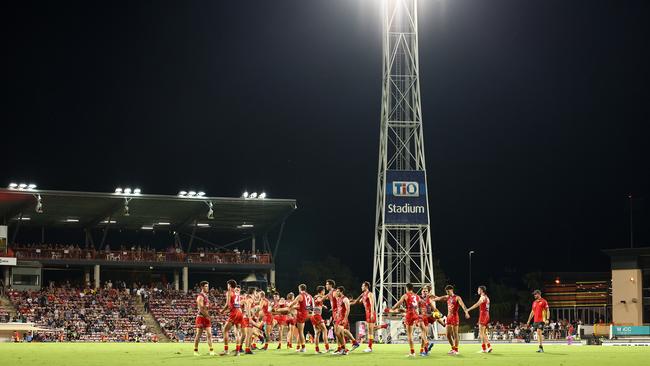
(280, 319)
(305, 304)
(483, 304)
(453, 320)
(248, 319)
(540, 314)
(267, 317)
(429, 315)
(203, 317)
(330, 286)
(317, 319)
(367, 298)
(342, 323)
(291, 320)
(235, 318)
(412, 302)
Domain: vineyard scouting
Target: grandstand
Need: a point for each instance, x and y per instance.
(582, 296)
(121, 267)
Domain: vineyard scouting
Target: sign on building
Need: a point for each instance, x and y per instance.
(406, 197)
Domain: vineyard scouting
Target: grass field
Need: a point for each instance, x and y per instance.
(146, 354)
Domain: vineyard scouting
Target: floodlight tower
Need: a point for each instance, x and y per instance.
(402, 234)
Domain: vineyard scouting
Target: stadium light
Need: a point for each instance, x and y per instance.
(245, 195)
(71, 220)
(128, 191)
(24, 218)
(22, 186)
(262, 195)
(253, 195)
(191, 194)
(163, 223)
(108, 222)
(202, 224)
(245, 226)
(144, 227)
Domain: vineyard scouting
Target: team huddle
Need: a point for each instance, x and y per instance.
(252, 317)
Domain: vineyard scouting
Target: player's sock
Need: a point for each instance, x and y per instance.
(412, 351)
(370, 339)
(196, 350)
(455, 349)
(489, 345)
(483, 346)
(327, 347)
(303, 346)
(317, 349)
(421, 349)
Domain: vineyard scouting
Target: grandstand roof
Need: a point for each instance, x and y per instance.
(67, 209)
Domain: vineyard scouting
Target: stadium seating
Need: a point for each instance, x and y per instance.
(83, 315)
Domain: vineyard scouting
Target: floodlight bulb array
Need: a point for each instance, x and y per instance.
(22, 186)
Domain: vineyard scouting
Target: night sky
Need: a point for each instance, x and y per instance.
(535, 114)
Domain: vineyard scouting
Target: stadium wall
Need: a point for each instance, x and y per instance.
(627, 300)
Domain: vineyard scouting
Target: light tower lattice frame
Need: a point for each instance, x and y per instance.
(403, 251)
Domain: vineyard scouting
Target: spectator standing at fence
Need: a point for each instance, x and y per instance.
(540, 314)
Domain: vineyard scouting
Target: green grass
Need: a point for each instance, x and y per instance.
(119, 354)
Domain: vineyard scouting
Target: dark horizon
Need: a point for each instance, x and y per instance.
(535, 116)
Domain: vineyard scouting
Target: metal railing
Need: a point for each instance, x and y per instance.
(140, 256)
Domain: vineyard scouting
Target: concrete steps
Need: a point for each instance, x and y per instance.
(7, 306)
(151, 323)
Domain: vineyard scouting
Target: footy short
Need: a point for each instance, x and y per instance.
(538, 325)
(317, 319)
(411, 318)
(202, 322)
(236, 317)
(453, 320)
(268, 319)
(301, 317)
(371, 317)
(427, 319)
(484, 319)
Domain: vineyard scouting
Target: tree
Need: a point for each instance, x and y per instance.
(316, 273)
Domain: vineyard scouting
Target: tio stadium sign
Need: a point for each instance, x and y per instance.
(406, 197)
